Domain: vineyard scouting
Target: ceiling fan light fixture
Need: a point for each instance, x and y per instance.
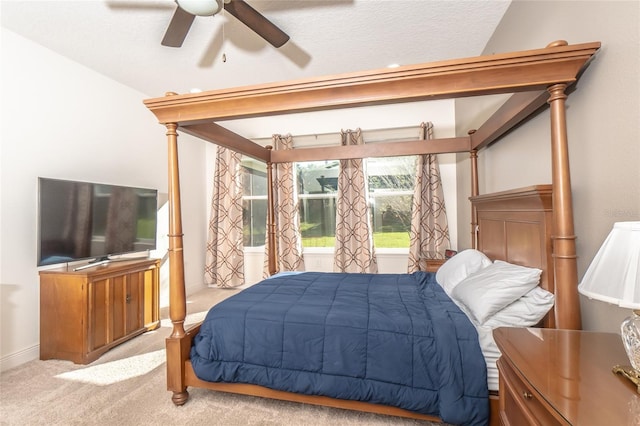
(201, 7)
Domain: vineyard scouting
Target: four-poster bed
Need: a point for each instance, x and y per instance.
(531, 227)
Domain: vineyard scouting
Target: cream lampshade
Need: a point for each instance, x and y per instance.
(614, 277)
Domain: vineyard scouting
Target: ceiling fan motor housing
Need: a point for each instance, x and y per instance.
(201, 7)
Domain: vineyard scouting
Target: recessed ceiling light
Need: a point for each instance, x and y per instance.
(393, 65)
(195, 90)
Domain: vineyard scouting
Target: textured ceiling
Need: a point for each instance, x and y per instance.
(121, 38)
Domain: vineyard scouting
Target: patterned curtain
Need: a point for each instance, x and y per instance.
(354, 250)
(287, 214)
(224, 265)
(429, 235)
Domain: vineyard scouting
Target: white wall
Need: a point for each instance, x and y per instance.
(602, 125)
(62, 120)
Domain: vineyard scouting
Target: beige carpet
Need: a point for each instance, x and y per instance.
(126, 386)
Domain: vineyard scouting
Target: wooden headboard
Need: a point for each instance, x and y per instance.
(516, 226)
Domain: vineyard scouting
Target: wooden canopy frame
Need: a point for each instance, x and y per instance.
(533, 77)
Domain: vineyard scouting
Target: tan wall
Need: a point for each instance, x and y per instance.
(603, 127)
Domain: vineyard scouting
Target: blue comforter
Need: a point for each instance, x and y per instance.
(382, 338)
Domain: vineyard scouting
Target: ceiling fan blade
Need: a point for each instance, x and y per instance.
(257, 22)
(178, 28)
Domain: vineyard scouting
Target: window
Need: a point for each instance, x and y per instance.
(254, 202)
(317, 188)
(391, 182)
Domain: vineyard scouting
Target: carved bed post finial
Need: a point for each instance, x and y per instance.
(564, 239)
(558, 43)
(271, 218)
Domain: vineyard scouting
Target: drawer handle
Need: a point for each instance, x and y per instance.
(128, 298)
(526, 395)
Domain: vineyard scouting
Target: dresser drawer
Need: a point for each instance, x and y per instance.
(519, 403)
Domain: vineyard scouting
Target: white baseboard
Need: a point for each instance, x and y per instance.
(15, 359)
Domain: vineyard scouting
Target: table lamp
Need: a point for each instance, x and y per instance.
(614, 277)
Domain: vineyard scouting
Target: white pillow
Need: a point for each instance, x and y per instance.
(460, 267)
(524, 312)
(491, 289)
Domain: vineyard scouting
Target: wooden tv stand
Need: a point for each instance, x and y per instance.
(85, 313)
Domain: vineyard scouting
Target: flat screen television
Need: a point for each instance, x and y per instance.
(84, 220)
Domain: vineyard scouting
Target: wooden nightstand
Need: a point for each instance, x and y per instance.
(431, 265)
(563, 377)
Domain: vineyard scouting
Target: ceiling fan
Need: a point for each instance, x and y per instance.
(187, 10)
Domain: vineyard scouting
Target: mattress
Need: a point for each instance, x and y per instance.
(491, 353)
(392, 339)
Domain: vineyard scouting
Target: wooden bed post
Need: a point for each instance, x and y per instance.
(177, 310)
(474, 193)
(564, 239)
(177, 295)
(271, 218)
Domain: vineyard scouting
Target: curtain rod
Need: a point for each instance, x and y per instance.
(317, 139)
